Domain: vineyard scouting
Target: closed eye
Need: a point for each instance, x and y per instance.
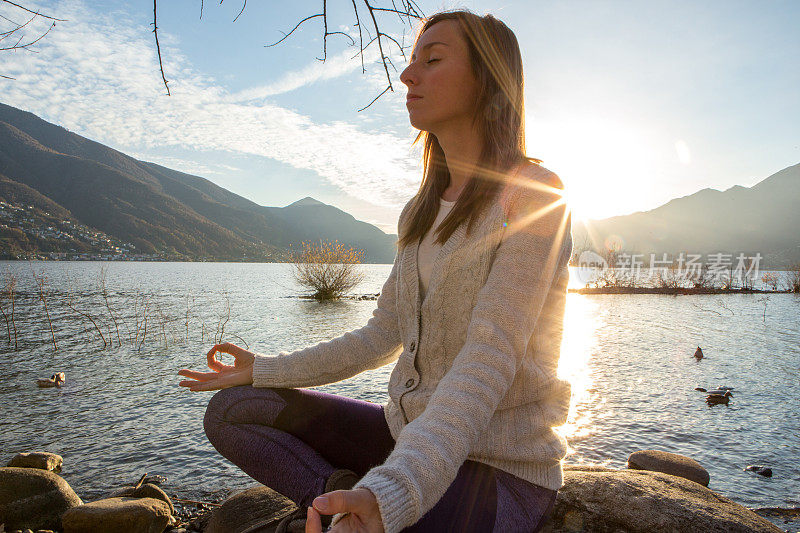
(432, 60)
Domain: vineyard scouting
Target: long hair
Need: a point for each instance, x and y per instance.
(497, 65)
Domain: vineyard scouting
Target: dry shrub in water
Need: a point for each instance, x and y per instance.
(792, 279)
(330, 269)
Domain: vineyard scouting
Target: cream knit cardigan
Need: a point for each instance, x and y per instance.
(475, 376)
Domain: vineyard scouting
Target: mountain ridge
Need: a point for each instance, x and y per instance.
(160, 210)
(761, 219)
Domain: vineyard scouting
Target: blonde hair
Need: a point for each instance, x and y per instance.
(497, 65)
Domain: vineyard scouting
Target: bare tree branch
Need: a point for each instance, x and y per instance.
(32, 12)
(158, 48)
(407, 11)
(26, 46)
(374, 99)
(242, 10)
(18, 30)
(360, 36)
(286, 35)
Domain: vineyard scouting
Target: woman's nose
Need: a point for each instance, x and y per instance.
(408, 77)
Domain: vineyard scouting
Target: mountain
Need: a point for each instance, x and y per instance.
(156, 209)
(763, 218)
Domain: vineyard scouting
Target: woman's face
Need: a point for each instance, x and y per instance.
(442, 89)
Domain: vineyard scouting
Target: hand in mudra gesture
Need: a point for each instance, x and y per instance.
(223, 376)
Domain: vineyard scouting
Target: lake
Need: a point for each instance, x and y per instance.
(629, 358)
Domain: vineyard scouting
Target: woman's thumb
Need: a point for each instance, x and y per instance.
(337, 501)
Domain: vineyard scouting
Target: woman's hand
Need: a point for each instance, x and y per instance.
(223, 376)
(364, 516)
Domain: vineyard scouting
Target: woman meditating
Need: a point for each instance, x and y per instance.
(471, 314)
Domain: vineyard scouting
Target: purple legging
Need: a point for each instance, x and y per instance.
(291, 440)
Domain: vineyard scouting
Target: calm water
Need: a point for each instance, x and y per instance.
(629, 358)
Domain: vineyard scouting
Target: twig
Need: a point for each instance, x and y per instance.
(40, 286)
(87, 315)
(242, 11)
(286, 35)
(158, 48)
(33, 12)
(374, 99)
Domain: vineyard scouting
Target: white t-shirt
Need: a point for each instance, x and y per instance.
(426, 254)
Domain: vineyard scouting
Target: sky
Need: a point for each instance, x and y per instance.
(631, 103)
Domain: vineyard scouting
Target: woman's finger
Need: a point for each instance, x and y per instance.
(188, 383)
(313, 521)
(223, 381)
(213, 363)
(199, 376)
(234, 350)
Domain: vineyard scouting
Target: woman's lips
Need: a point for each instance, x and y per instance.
(412, 98)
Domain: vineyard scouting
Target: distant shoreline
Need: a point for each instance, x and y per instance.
(674, 290)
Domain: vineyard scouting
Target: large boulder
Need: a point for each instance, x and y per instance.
(112, 515)
(246, 509)
(147, 490)
(31, 498)
(42, 460)
(669, 463)
(640, 501)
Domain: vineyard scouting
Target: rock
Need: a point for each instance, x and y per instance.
(669, 463)
(112, 515)
(781, 516)
(41, 460)
(589, 468)
(155, 479)
(33, 498)
(248, 508)
(701, 389)
(147, 490)
(760, 470)
(640, 501)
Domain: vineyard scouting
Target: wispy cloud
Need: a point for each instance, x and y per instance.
(97, 75)
(184, 165)
(333, 67)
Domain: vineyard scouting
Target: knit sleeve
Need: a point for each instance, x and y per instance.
(432, 447)
(374, 345)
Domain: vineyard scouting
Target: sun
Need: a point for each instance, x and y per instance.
(606, 164)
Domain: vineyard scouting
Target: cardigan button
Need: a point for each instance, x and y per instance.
(410, 382)
(412, 346)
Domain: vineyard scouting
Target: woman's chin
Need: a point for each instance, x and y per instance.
(419, 122)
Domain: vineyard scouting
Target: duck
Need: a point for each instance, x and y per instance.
(56, 380)
(760, 470)
(698, 353)
(713, 398)
(720, 392)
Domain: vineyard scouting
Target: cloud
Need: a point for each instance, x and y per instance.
(97, 75)
(183, 165)
(333, 67)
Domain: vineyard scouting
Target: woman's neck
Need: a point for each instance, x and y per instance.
(462, 147)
